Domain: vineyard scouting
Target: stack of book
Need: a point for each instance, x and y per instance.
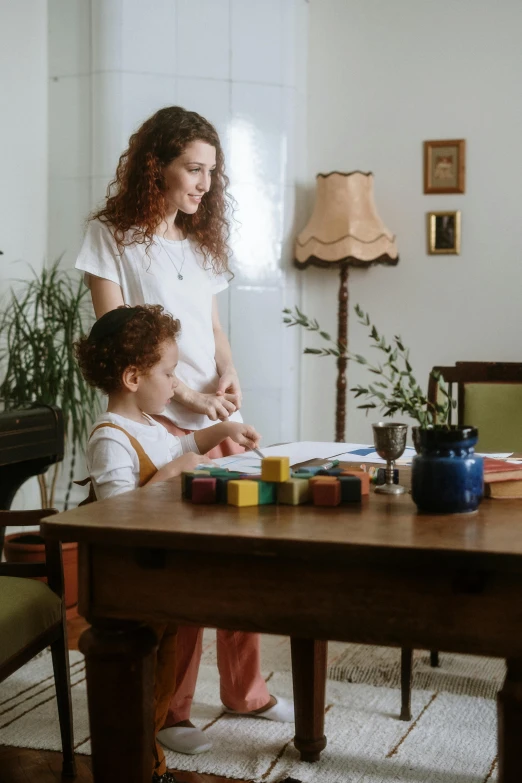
(502, 479)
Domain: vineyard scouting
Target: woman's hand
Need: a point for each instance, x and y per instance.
(214, 406)
(244, 434)
(229, 385)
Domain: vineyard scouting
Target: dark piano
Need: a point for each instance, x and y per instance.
(30, 440)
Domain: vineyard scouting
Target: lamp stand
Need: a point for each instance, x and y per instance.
(342, 361)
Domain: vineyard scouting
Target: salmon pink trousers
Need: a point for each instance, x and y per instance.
(242, 687)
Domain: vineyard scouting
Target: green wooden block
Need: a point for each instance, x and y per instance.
(217, 471)
(293, 492)
(267, 493)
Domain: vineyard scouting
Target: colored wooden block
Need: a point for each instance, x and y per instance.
(363, 476)
(294, 491)
(275, 469)
(351, 487)
(381, 476)
(186, 481)
(322, 479)
(326, 493)
(307, 471)
(217, 471)
(222, 485)
(267, 492)
(204, 490)
(243, 493)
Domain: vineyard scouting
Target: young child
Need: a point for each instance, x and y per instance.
(131, 355)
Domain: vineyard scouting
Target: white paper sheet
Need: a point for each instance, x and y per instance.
(496, 456)
(306, 450)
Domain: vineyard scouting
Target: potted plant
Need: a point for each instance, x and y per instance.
(447, 476)
(41, 320)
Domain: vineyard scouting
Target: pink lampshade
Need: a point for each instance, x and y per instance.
(344, 228)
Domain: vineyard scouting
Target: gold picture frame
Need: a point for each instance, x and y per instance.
(443, 231)
(445, 166)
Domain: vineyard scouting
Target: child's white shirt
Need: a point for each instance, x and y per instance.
(112, 461)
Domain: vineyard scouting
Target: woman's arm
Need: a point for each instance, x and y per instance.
(228, 380)
(105, 294)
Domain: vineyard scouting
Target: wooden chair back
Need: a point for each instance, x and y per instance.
(489, 396)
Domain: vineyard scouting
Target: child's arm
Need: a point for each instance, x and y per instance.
(244, 434)
(175, 467)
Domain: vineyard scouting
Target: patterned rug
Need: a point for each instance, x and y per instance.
(451, 738)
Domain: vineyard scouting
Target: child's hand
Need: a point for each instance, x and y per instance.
(244, 434)
(175, 467)
(189, 461)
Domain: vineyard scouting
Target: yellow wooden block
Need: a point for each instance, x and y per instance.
(275, 469)
(243, 493)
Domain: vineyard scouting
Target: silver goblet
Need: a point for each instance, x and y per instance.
(390, 442)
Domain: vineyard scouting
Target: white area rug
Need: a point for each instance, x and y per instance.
(451, 738)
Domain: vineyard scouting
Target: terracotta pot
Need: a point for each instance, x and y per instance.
(30, 548)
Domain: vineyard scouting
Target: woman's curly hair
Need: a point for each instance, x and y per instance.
(135, 341)
(136, 196)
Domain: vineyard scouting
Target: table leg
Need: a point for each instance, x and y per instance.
(509, 703)
(119, 660)
(309, 677)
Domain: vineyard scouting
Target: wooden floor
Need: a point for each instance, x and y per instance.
(18, 765)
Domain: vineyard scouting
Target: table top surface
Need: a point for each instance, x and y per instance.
(156, 516)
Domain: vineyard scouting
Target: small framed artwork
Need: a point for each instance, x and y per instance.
(445, 166)
(444, 233)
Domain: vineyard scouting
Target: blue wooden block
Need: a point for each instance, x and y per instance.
(381, 476)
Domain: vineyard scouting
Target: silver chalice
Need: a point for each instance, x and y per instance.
(390, 442)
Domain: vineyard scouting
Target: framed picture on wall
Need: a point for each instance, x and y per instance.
(445, 166)
(444, 233)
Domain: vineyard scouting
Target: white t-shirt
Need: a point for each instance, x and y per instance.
(112, 460)
(153, 279)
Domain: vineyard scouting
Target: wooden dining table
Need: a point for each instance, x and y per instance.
(376, 572)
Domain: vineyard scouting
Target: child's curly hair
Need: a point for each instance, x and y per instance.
(124, 337)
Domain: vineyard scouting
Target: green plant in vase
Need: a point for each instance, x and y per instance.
(394, 389)
(40, 321)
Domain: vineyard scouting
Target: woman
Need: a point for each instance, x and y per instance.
(161, 238)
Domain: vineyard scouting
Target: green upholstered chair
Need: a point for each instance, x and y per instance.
(489, 396)
(32, 617)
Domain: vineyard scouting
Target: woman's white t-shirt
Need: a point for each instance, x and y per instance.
(152, 278)
(112, 461)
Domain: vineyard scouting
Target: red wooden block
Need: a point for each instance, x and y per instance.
(326, 493)
(204, 490)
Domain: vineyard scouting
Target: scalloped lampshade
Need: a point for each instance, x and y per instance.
(345, 226)
(344, 230)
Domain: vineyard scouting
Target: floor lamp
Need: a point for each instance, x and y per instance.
(344, 230)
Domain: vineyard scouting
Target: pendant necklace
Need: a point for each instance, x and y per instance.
(180, 276)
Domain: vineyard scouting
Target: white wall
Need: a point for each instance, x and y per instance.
(383, 77)
(23, 137)
(240, 63)
(23, 153)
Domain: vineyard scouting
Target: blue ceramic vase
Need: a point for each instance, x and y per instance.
(447, 476)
